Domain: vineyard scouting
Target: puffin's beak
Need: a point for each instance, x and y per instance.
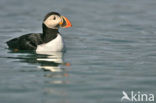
(65, 23)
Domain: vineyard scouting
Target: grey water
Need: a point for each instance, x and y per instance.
(110, 48)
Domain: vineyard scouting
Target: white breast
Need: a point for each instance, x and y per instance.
(56, 44)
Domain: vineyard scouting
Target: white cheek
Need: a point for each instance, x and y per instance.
(52, 23)
(49, 23)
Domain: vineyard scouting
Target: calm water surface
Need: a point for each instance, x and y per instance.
(110, 48)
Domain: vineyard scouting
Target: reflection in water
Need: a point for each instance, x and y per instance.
(50, 61)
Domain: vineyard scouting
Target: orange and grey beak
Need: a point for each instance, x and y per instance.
(65, 23)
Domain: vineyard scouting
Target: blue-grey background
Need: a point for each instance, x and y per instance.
(111, 47)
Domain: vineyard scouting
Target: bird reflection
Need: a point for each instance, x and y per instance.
(50, 60)
(53, 62)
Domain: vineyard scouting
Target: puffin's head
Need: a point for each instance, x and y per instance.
(54, 20)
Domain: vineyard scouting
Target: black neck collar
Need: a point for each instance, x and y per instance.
(48, 33)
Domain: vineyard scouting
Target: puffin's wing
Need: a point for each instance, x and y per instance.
(27, 45)
(25, 42)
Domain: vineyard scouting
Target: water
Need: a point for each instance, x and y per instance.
(110, 48)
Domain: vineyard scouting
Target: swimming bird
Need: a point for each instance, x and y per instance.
(49, 40)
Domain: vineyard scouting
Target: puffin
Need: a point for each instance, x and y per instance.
(49, 40)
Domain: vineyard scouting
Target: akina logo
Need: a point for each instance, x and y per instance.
(137, 97)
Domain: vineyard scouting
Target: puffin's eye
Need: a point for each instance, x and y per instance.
(54, 18)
